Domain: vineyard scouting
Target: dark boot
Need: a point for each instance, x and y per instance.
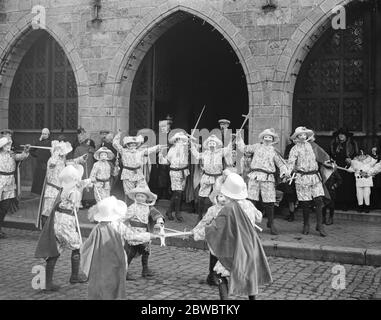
(252, 298)
(76, 276)
(223, 288)
(360, 208)
(129, 253)
(306, 219)
(49, 271)
(319, 217)
(212, 278)
(366, 208)
(146, 272)
(171, 208)
(269, 210)
(179, 218)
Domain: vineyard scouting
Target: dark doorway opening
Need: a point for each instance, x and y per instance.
(189, 66)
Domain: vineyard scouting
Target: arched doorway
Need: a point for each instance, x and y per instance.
(189, 66)
(339, 83)
(43, 94)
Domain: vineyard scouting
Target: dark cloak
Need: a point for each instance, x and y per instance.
(234, 241)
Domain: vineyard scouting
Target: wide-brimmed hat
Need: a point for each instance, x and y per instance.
(269, 132)
(224, 121)
(211, 138)
(108, 209)
(234, 187)
(178, 135)
(97, 153)
(4, 141)
(70, 176)
(133, 139)
(63, 148)
(300, 130)
(151, 197)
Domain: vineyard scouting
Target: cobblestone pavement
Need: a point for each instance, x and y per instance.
(343, 233)
(180, 274)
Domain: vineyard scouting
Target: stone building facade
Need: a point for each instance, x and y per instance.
(105, 42)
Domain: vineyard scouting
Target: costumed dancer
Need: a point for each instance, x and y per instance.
(133, 160)
(8, 187)
(102, 172)
(61, 230)
(261, 185)
(242, 264)
(177, 158)
(303, 162)
(359, 164)
(52, 187)
(218, 200)
(104, 260)
(142, 216)
(212, 166)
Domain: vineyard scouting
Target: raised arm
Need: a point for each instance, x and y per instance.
(196, 154)
(116, 142)
(244, 148)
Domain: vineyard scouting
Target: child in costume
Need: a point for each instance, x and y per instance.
(266, 159)
(363, 163)
(308, 182)
(52, 187)
(7, 177)
(178, 160)
(61, 230)
(242, 264)
(212, 166)
(142, 217)
(102, 172)
(133, 160)
(104, 260)
(219, 200)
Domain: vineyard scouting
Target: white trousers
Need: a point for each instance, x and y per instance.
(363, 195)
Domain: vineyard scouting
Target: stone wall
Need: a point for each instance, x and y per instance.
(270, 46)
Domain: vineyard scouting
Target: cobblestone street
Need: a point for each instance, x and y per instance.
(180, 274)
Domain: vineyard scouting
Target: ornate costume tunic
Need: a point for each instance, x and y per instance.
(308, 182)
(177, 158)
(261, 179)
(138, 217)
(7, 171)
(52, 188)
(133, 160)
(212, 166)
(65, 227)
(101, 177)
(210, 215)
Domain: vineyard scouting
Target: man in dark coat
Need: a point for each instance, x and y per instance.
(42, 156)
